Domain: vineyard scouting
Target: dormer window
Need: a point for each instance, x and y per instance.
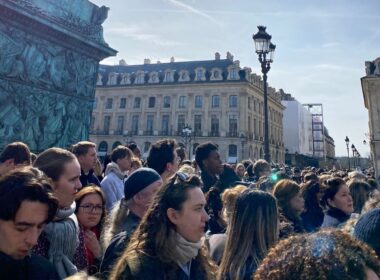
(184, 76)
(168, 78)
(153, 78)
(233, 73)
(125, 79)
(216, 74)
(139, 77)
(112, 79)
(200, 74)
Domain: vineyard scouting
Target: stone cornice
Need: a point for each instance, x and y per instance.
(25, 16)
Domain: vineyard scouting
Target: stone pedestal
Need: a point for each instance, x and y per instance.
(371, 94)
(49, 55)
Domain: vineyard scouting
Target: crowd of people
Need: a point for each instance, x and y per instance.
(65, 214)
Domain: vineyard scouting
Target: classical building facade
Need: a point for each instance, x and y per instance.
(219, 100)
(371, 95)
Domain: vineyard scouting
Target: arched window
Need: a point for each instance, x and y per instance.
(102, 149)
(117, 143)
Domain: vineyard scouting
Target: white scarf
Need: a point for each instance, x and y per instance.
(185, 250)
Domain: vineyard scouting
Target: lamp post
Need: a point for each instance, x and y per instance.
(243, 139)
(348, 151)
(353, 153)
(265, 50)
(186, 133)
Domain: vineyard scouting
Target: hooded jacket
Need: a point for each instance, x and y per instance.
(113, 185)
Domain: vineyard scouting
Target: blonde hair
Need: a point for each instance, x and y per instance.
(229, 197)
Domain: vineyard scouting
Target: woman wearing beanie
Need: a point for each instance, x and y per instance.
(139, 189)
(338, 203)
(291, 205)
(167, 243)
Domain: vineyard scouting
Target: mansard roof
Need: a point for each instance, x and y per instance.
(177, 66)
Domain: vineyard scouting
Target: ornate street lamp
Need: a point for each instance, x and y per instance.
(348, 151)
(187, 134)
(353, 153)
(265, 51)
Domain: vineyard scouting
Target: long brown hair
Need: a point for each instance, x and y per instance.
(152, 236)
(91, 189)
(253, 229)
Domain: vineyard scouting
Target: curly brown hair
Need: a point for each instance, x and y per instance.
(324, 255)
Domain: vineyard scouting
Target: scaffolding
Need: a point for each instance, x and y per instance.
(318, 133)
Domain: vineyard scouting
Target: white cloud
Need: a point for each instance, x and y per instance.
(195, 11)
(331, 45)
(138, 33)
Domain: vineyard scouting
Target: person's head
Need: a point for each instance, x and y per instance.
(63, 168)
(246, 163)
(163, 158)
(135, 164)
(253, 229)
(337, 195)
(178, 208)
(90, 202)
(214, 208)
(135, 149)
(122, 156)
(229, 197)
(289, 198)
(310, 176)
(261, 168)
(140, 187)
(181, 153)
(367, 229)
(240, 170)
(27, 204)
(360, 191)
(208, 158)
(85, 151)
(374, 187)
(327, 254)
(296, 172)
(14, 155)
(356, 175)
(312, 194)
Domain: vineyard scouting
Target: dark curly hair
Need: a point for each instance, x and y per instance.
(324, 255)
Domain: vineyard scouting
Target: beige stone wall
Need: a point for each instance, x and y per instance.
(250, 106)
(371, 94)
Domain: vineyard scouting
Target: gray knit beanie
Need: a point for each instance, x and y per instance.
(139, 180)
(367, 229)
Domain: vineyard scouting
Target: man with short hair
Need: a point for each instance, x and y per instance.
(27, 204)
(16, 154)
(113, 182)
(85, 152)
(213, 171)
(163, 158)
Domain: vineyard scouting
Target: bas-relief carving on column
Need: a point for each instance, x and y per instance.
(46, 90)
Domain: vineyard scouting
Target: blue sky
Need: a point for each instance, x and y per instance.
(321, 46)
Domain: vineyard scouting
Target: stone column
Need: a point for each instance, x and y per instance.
(49, 59)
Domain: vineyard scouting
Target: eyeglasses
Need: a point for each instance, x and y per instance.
(88, 208)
